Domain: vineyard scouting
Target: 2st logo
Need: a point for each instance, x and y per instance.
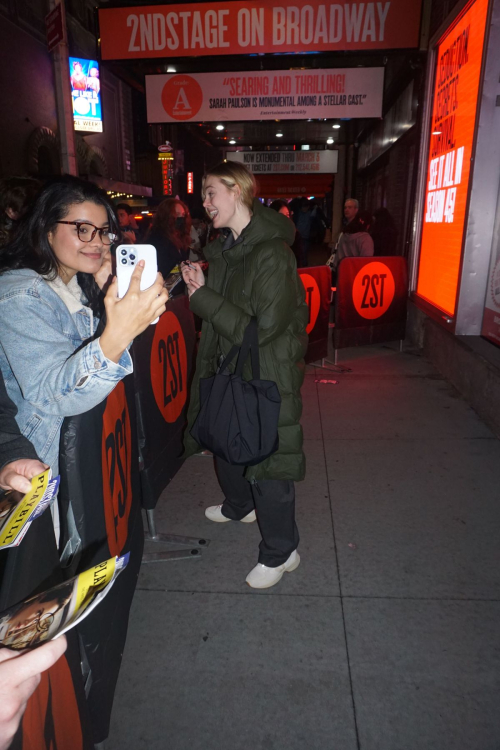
(116, 468)
(373, 290)
(169, 367)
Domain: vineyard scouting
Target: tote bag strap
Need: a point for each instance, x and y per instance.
(250, 343)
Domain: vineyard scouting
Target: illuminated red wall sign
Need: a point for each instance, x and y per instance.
(456, 88)
(190, 183)
(167, 172)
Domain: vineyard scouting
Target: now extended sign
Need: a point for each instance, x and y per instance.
(254, 26)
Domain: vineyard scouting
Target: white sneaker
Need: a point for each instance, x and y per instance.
(214, 513)
(263, 577)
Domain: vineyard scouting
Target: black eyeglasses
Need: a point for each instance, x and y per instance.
(87, 231)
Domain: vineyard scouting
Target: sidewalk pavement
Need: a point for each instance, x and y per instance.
(387, 637)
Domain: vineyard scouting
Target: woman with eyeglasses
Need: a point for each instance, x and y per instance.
(54, 360)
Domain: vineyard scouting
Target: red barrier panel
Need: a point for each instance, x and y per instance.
(317, 285)
(370, 303)
(163, 366)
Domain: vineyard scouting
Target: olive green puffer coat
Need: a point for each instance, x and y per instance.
(257, 276)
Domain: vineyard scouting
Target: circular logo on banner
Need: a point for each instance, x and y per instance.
(313, 299)
(169, 367)
(182, 97)
(373, 290)
(116, 468)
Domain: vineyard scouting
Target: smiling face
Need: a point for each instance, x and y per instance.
(220, 203)
(72, 254)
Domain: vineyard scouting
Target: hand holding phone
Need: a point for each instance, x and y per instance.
(131, 315)
(127, 258)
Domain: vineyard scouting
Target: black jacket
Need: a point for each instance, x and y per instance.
(13, 445)
(168, 255)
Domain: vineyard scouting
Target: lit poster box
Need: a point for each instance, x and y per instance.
(456, 87)
(86, 94)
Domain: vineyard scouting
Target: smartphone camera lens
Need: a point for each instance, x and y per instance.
(124, 261)
(124, 252)
(132, 257)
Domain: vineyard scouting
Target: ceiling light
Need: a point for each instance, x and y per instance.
(437, 132)
(171, 69)
(279, 135)
(330, 141)
(304, 148)
(232, 141)
(219, 127)
(336, 126)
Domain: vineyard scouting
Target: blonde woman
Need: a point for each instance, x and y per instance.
(253, 273)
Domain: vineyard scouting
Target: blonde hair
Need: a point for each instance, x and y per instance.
(232, 173)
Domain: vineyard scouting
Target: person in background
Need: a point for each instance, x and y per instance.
(252, 273)
(319, 222)
(351, 208)
(51, 277)
(384, 233)
(19, 672)
(131, 234)
(355, 242)
(296, 246)
(304, 222)
(170, 233)
(199, 232)
(16, 196)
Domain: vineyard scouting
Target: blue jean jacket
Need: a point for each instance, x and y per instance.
(46, 374)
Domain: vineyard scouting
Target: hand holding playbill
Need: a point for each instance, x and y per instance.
(50, 614)
(17, 511)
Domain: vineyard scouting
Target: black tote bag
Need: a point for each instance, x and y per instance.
(238, 419)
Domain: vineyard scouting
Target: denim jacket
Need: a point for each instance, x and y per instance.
(46, 374)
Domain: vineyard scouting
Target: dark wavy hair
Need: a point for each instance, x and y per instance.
(361, 223)
(30, 248)
(164, 223)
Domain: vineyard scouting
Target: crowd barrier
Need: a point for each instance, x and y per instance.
(114, 459)
(317, 281)
(370, 301)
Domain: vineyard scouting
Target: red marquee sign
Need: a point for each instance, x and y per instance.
(253, 26)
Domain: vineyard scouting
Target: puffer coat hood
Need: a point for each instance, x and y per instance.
(257, 276)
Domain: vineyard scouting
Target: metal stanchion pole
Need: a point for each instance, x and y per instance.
(152, 535)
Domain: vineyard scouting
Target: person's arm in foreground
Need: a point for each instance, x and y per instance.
(20, 675)
(18, 459)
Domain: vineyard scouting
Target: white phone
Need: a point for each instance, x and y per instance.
(127, 257)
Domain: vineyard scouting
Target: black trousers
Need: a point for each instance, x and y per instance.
(274, 504)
